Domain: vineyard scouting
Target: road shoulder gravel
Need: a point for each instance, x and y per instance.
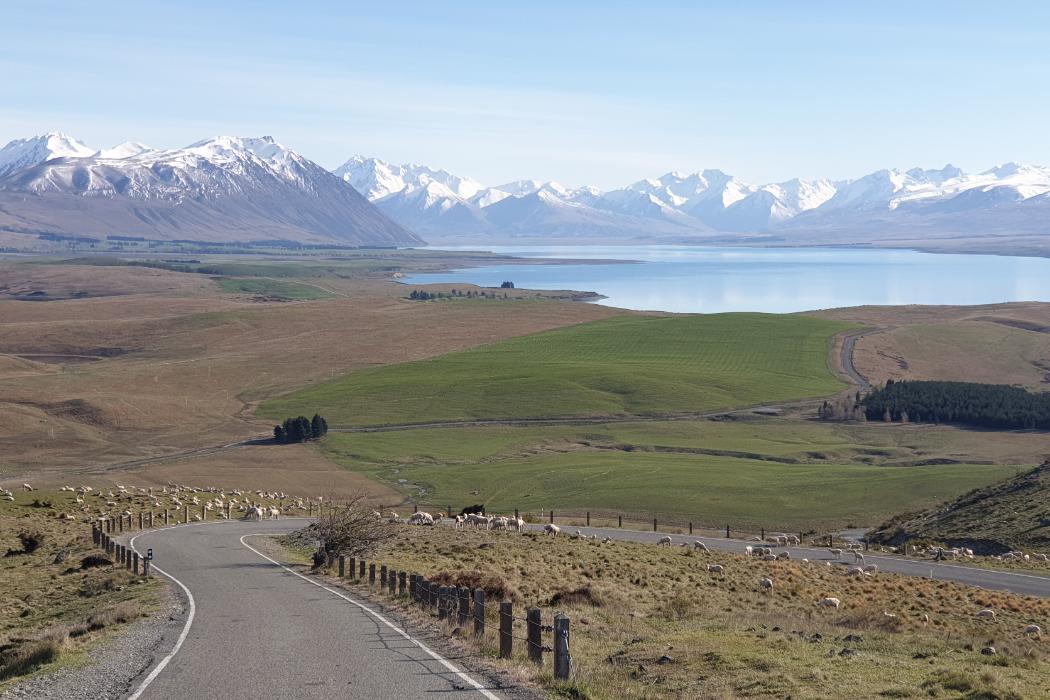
(114, 665)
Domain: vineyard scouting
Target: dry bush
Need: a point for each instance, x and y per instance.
(25, 656)
(496, 587)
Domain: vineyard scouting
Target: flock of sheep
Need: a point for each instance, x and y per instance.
(100, 504)
(762, 549)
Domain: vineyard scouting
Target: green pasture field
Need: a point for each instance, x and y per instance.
(631, 365)
(271, 287)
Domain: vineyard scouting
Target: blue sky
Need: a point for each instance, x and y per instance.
(585, 93)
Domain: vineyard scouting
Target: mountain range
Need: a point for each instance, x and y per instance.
(710, 204)
(228, 189)
(223, 189)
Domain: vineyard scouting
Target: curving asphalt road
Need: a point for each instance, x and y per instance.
(257, 629)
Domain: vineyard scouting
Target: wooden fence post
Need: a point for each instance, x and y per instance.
(516, 514)
(727, 531)
(588, 518)
(372, 574)
(534, 629)
(353, 567)
(382, 576)
(763, 534)
(506, 629)
(401, 576)
(442, 607)
(229, 510)
(361, 569)
(479, 612)
(690, 527)
(464, 605)
(310, 508)
(140, 519)
(151, 518)
(562, 662)
(185, 514)
(654, 524)
(412, 590)
(165, 516)
(120, 525)
(145, 566)
(204, 512)
(135, 564)
(391, 581)
(415, 507)
(552, 516)
(342, 566)
(620, 518)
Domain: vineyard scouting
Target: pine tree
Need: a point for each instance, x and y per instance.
(279, 434)
(316, 427)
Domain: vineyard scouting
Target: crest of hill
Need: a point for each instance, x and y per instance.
(1013, 514)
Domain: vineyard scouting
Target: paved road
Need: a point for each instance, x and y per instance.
(258, 630)
(1025, 584)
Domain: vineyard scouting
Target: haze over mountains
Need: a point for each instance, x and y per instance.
(228, 189)
(219, 190)
(1011, 198)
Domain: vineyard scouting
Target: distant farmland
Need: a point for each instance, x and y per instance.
(634, 365)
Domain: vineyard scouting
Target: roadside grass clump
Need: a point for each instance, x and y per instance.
(50, 610)
(653, 622)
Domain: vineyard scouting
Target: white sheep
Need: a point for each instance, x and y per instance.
(871, 568)
(421, 518)
(716, 569)
(274, 513)
(986, 614)
(665, 540)
(1034, 629)
(698, 545)
(855, 571)
(858, 557)
(551, 530)
(460, 520)
(837, 553)
(517, 524)
(27, 487)
(766, 583)
(829, 602)
(748, 550)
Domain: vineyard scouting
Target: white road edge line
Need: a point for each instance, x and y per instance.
(442, 660)
(185, 628)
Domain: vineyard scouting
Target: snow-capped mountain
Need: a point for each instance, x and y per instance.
(22, 153)
(688, 206)
(220, 189)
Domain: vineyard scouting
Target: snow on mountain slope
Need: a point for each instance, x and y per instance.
(24, 153)
(690, 204)
(225, 188)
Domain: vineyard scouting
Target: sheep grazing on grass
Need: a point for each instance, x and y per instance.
(716, 569)
(1034, 629)
(766, 583)
(871, 568)
(855, 571)
(858, 557)
(784, 555)
(837, 553)
(664, 541)
(986, 614)
(701, 546)
(606, 540)
(769, 557)
(421, 518)
(829, 602)
(27, 487)
(551, 530)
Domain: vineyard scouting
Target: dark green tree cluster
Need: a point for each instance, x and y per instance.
(507, 285)
(981, 405)
(422, 295)
(300, 429)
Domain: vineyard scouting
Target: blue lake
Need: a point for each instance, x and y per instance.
(778, 280)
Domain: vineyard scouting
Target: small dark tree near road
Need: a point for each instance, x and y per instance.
(507, 285)
(300, 429)
(352, 530)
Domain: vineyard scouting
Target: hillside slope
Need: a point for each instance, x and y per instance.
(1012, 514)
